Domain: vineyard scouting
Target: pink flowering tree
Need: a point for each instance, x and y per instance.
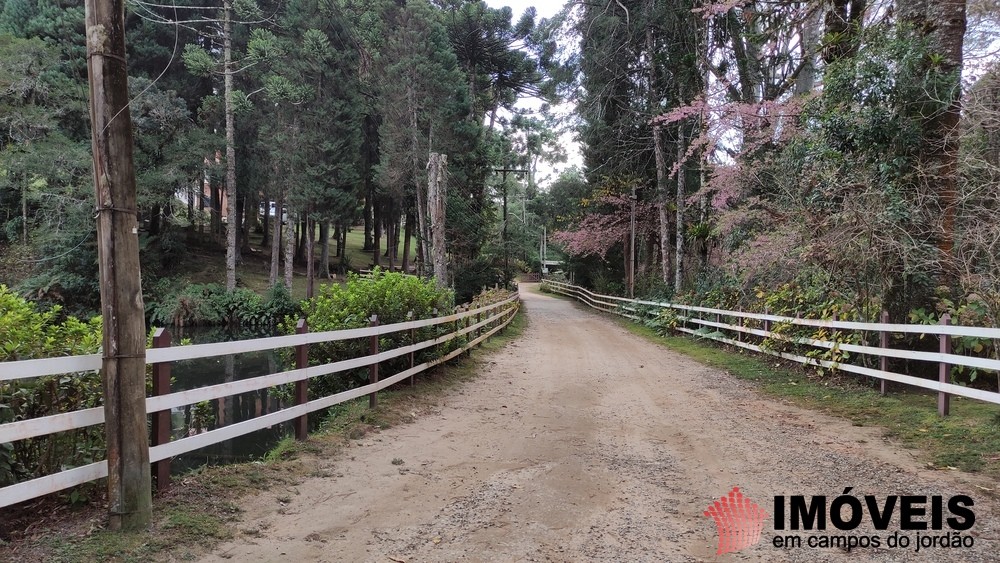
(608, 224)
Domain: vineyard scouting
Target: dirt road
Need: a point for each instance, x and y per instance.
(587, 443)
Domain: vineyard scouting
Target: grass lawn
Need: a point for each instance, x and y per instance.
(205, 262)
(359, 259)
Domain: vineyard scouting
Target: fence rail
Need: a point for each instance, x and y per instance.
(476, 324)
(635, 309)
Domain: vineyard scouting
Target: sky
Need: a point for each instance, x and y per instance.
(545, 9)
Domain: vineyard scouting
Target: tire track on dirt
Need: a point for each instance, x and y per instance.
(583, 442)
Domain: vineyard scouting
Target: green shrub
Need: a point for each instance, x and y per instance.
(27, 333)
(195, 304)
(474, 276)
(211, 304)
(393, 297)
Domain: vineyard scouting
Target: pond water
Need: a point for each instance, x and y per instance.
(191, 419)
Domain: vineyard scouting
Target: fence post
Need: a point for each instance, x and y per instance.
(301, 423)
(454, 327)
(944, 369)
(373, 369)
(883, 342)
(468, 335)
(161, 419)
(409, 317)
(833, 335)
(437, 328)
(767, 322)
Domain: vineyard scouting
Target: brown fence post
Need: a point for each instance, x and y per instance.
(883, 342)
(944, 369)
(161, 419)
(373, 369)
(301, 423)
(437, 330)
(409, 317)
(468, 335)
(767, 322)
(833, 336)
(454, 327)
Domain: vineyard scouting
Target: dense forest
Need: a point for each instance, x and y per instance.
(825, 158)
(816, 157)
(269, 131)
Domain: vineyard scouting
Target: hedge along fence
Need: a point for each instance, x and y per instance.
(474, 325)
(832, 352)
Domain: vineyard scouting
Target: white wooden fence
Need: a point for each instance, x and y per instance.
(480, 324)
(741, 323)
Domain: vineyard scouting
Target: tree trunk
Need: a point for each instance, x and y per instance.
(662, 204)
(421, 259)
(398, 219)
(241, 205)
(154, 221)
(249, 215)
(343, 246)
(391, 226)
(265, 240)
(437, 192)
(648, 256)
(289, 252)
(407, 235)
(376, 234)
(336, 236)
(324, 260)
(368, 156)
(811, 35)
(300, 241)
(190, 203)
(843, 24)
(943, 24)
(368, 220)
(227, 50)
(679, 221)
(216, 194)
(123, 368)
(310, 257)
(746, 61)
(662, 195)
(423, 238)
(276, 238)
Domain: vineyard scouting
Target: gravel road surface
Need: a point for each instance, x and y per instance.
(584, 442)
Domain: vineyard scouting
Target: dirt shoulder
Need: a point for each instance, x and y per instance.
(585, 442)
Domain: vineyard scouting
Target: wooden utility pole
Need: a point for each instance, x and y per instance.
(631, 248)
(506, 251)
(124, 365)
(437, 186)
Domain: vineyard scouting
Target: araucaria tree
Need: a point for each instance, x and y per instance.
(815, 146)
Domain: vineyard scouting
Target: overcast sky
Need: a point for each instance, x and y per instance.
(544, 9)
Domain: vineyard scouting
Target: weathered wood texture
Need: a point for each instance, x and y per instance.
(124, 365)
